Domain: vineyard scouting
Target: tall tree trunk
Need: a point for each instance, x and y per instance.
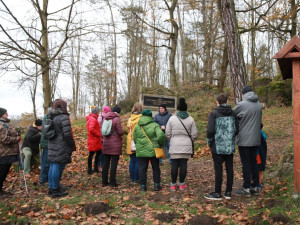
(174, 38)
(294, 18)
(235, 53)
(223, 71)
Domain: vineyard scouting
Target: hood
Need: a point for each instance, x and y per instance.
(4, 120)
(224, 109)
(32, 128)
(250, 97)
(163, 114)
(135, 117)
(91, 115)
(55, 112)
(110, 115)
(144, 120)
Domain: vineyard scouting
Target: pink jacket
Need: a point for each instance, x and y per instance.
(112, 145)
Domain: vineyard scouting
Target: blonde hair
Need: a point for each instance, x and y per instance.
(137, 107)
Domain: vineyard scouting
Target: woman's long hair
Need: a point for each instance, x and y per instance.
(137, 107)
(59, 103)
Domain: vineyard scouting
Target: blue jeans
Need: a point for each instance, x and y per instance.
(100, 163)
(54, 176)
(133, 168)
(167, 146)
(45, 165)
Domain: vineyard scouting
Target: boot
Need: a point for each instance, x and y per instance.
(58, 193)
(90, 171)
(157, 187)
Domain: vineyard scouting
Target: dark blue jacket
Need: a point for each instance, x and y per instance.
(162, 119)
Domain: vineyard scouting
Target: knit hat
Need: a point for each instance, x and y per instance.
(116, 109)
(2, 111)
(106, 109)
(246, 89)
(95, 109)
(182, 106)
(38, 122)
(164, 106)
(147, 112)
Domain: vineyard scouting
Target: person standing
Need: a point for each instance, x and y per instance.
(105, 110)
(162, 119)
(112, 147)
(249, 113)
(93, 139)
(60, 147)
(147, 135)
(131, 148)
(181, 131)
(222, 127)
(45, 165)
(9, 148)
(30, 146)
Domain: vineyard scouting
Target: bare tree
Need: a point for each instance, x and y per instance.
(27, 46)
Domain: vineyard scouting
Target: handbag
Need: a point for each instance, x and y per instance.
(159, 152)
(189, 136)
(132, 144)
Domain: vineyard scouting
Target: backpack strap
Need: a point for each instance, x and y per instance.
(188, 135)
(5, 125)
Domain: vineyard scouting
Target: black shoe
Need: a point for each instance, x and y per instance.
(58, 193)
(104, 184)
(90, 171)
(96, 170)
(254, 190)
(143, 188)
(243, 192)
(157, 187)
(113, 184)
(227, 195)
(213, 196)
(63, 187)
(50, 191)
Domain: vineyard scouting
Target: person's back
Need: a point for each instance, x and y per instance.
(249, 112)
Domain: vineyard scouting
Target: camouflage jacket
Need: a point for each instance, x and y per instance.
(8, 139)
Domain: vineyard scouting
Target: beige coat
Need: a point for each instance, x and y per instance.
(180, 142)
(8, 139)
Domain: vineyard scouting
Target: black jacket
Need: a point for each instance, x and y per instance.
(222, 127)
(32, 139)
(61, 147)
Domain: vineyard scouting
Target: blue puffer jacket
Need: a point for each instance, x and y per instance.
(222, 127)
(162, 119)
(61, 147)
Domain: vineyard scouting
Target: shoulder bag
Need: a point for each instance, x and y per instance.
(159, 152)
(189, 136)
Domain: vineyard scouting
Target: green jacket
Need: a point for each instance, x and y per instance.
(143, 147)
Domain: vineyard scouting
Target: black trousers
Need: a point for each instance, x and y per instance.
(112, 161)
(218, 165)
(181, 165)
(249, 166)
(90, 159)
(4, 169)
(143, 167)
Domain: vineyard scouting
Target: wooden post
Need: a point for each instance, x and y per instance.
(289, 62)
(296, 104)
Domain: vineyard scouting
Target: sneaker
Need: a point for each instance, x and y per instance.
(182, 187)
(227, 195)
(143, 188)
(157, 187)
(113, 184)
(260, 186)
(243, 192)
(173, 187)
(50, 191)
(254, 191)
(213, 196)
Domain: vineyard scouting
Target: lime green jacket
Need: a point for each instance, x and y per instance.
(143, 147)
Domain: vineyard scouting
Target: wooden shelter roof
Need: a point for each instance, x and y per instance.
(284, 57)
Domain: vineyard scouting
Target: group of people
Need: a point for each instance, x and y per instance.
(177, 132)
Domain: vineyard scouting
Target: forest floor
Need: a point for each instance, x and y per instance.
(90, 203)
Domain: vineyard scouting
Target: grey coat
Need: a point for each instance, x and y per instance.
(249, 113)
(180, 142)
